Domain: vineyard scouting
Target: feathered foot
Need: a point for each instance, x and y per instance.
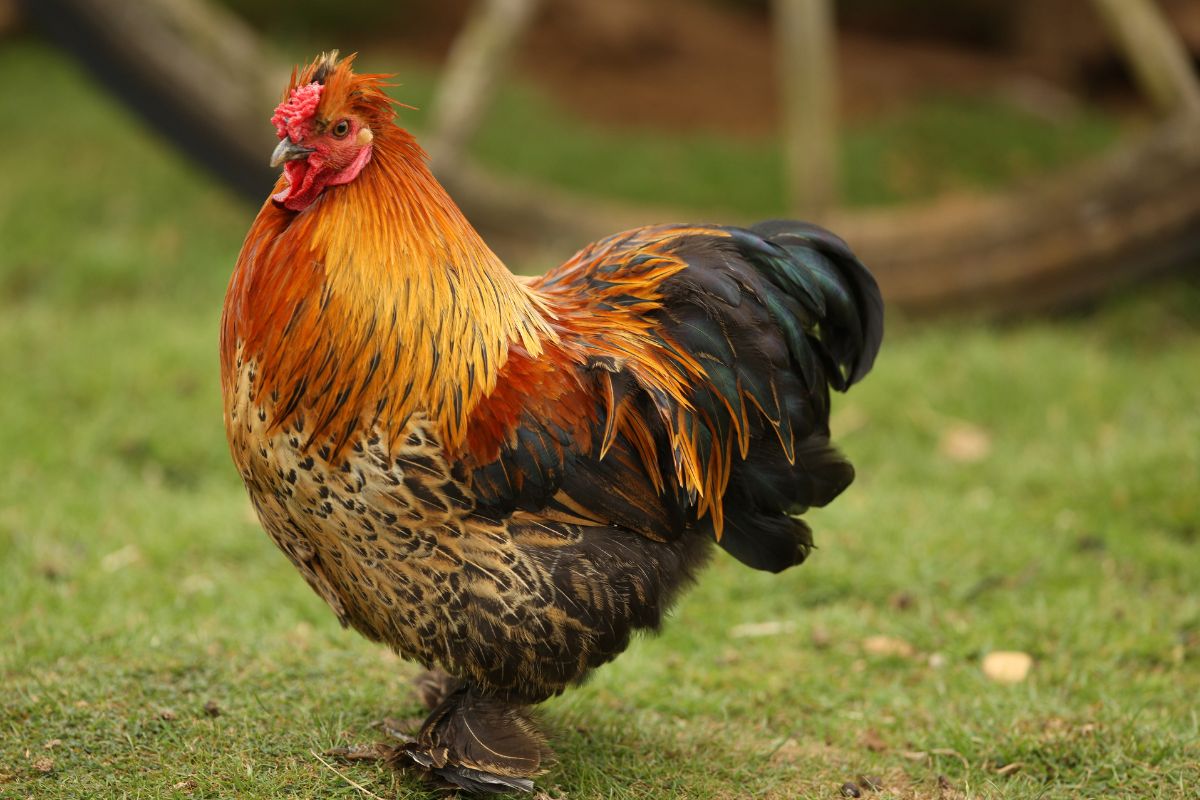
(478, 743)
(468, 741)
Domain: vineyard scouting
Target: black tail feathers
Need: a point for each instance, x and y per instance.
(817, 268)
(828, 308)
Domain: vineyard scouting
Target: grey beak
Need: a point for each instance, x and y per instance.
(287, 150)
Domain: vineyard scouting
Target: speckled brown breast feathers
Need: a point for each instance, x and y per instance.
(391, 540)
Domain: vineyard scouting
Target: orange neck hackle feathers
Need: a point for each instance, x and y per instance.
(378, 301)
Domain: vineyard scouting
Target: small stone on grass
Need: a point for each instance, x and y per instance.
(964, 443)
(873, 741)
(1007, 666)
(887, 646)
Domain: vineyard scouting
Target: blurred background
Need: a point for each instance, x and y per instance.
(1051, 145)
(1022, 175)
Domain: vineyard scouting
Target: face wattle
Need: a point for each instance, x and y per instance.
(308, 177)
(334, 157)
(301, 189)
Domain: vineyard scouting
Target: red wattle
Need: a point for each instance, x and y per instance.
(307, 178)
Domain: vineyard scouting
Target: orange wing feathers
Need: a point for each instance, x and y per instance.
(694, 359)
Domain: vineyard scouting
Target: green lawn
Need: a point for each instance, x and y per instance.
(136, 587)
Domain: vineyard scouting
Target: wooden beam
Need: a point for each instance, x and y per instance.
(806, 48)
(1052, 243)
(477, 60)
(1156, 54)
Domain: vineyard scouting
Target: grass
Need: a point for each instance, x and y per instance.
(137, 588)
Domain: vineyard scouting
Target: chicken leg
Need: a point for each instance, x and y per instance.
(478, 743)
(469, 740)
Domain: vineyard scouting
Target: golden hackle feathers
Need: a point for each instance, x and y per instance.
(378, 302)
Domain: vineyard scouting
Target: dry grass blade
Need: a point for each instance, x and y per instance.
(945, 751)
(345, 777)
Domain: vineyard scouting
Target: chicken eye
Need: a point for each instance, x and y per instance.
(341, 129)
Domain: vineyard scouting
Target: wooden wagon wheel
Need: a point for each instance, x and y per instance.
(198, 74)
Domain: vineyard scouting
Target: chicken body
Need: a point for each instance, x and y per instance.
(390, 539)
(504, 480)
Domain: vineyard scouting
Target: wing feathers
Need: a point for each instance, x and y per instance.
(690, 388)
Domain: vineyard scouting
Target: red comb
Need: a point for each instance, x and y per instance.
(293, 116)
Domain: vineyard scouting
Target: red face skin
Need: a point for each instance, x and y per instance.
(340, 148)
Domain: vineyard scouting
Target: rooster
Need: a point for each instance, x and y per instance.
(502, 479)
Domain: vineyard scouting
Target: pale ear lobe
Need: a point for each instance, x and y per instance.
(365, 136)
